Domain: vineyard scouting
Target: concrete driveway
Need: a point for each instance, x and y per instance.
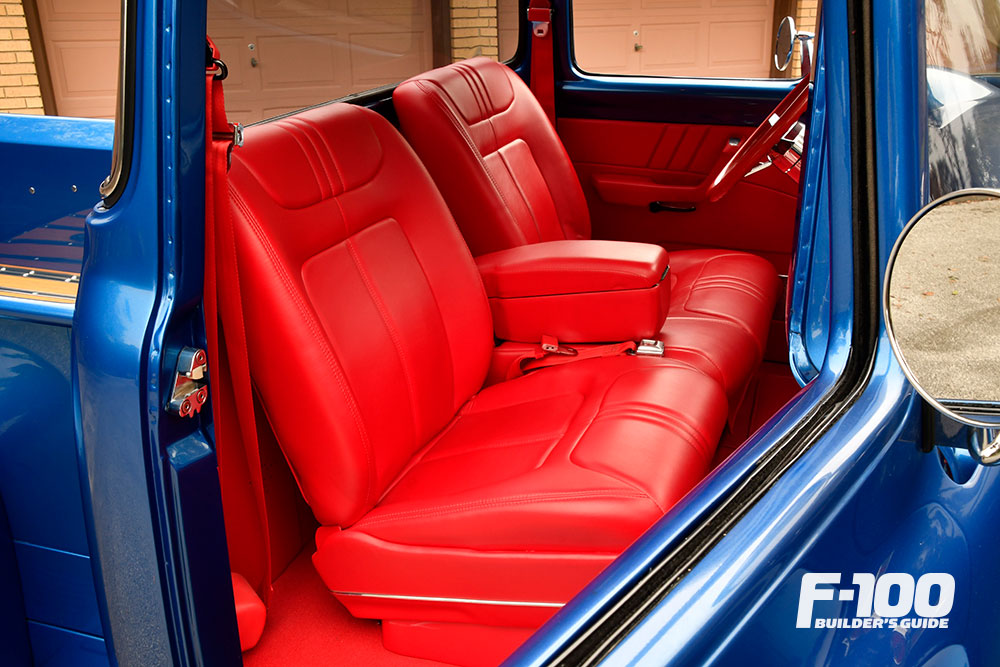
(945, 300)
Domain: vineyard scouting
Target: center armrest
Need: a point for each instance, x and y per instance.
(578, 291)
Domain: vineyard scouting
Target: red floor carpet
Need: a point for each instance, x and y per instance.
(306, 626)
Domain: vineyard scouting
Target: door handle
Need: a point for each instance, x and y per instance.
(662, 207)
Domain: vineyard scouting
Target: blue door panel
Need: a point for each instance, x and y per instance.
(56, 647)
(39, 472)
(58, 588)
(40, 478)
(14, 646)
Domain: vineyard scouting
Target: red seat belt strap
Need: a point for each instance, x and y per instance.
(233, 409)
(551, 353)
(542, 74)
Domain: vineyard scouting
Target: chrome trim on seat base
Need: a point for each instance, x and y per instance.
(423, 598)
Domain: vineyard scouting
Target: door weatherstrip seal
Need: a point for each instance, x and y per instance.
(623, 614)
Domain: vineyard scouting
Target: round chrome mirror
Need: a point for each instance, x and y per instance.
(941, 302)
(784, 43)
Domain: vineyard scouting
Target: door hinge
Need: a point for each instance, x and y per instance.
(190, 384)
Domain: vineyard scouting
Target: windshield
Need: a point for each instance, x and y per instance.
(963, 97)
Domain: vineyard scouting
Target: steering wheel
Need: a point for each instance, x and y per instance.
(746, 157)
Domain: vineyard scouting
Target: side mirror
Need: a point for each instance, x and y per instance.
(784, 46)
(784, 43)
(941, 303)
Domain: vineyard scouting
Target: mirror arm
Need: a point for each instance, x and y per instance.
(806, 40)
(985, 445)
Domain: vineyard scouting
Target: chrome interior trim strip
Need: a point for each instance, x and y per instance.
(423, 598)
(111, 184)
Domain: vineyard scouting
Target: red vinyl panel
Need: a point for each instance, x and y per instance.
(757, 216)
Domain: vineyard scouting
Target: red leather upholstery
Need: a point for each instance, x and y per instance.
(724, 285)
(535, 487)
(508, 180)
(251, 613)
(369, 338)
(493, 154)
(577, 291)
(568, 267)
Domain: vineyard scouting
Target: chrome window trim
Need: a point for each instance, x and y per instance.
(121, 151)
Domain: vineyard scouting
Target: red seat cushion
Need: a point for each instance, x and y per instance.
(731, 286)
(508, 180)
(369, 338)
(534, 488)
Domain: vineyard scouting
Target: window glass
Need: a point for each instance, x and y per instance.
(695, 38)
(59, 58)
(963, 94)
(284, 56)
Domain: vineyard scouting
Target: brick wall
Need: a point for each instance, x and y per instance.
(805, 21)
(474, 29)
(805, 15)
(19, 92)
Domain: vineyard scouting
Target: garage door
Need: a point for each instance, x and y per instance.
(721, 38)
(282, 55)
(286, 55)
(81, 47)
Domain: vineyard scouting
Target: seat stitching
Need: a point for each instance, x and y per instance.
(474, 89)
(378, 168)
(318, 335)
(489, 98)
(572, 447)
(512, 442)
(464, 134)
(393, 334)
(312, 158)
(340, 171)
(670, 420)
(520, 190)
(597, 416)
(734, 284)
(437, 304)
(509, 501)
(304, 127)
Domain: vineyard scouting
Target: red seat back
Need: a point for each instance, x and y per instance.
(494, 154)
(367, 323)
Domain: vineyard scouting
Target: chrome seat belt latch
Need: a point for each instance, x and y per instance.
(190, 391)
(649, 348)
(541, 20)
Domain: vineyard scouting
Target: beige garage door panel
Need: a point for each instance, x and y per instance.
(302, 48)
(81, 46)
(722, 38)
(311, 51)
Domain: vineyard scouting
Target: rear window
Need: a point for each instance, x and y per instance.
(686, 38)
(60, 57)
(284, 56)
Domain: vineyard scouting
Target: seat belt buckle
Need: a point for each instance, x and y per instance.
(541, 20)
(551, 346)
(649, 348)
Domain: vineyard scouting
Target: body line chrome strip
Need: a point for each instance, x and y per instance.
(423, 598)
